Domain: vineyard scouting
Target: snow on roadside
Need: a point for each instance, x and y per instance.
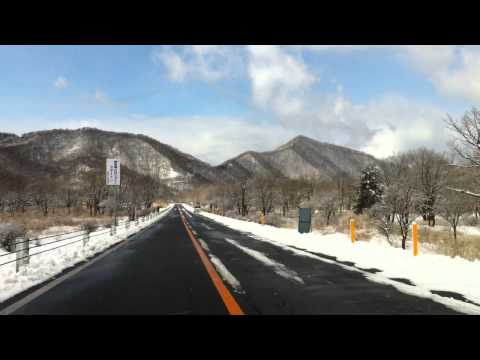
(226, 274)
(46, 265)
(279, 268)
(426, 271)
(222, 269)
(469, 230)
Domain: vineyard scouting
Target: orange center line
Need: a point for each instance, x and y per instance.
(228, 299)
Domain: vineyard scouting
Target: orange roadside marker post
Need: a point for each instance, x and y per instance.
(352, 230)
(415, 238)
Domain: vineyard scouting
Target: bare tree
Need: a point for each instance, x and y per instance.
(430, 171)
(328, 204)
(43, 194)
(401, 195)
(265, 191)
(454, 206)
(380, 214)
(466, 143)
(68, 197)
(94, 188)
(240, 193)
(345, 189)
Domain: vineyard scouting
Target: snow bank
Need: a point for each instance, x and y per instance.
(469, 230)
(46, 265)
(426, 271)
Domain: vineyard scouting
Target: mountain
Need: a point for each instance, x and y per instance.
(64, 154)
(300, 157)
(4, 136)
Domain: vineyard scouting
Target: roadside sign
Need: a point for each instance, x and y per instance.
(113, 172)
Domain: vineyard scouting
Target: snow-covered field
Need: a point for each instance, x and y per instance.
(46, 265)
(427, 271)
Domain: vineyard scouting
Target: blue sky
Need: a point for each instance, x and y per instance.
(217, 101)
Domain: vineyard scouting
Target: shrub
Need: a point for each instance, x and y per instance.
(274, 220)
(8, 233)
(89, 227)
(471, 221)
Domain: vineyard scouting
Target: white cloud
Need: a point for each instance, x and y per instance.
(382, 128)
(463, 80)
(282, 83)
(174, 64)
(60, 82)
(101, 97)
(400, 124)
(202, 62)
(428, 58)
(453, 70)
(279, 80)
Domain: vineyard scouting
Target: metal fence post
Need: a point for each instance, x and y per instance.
(86, 238)
(113, 228)
(22, 249)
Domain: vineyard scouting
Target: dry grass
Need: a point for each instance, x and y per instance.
(466, 246)
(364, 229)
(35, 222)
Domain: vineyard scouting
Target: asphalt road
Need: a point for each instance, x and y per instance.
(161, 271)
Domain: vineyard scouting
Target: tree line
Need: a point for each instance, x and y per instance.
(136, 192)
(392, 192)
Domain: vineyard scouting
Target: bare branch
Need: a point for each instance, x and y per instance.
(466, 192)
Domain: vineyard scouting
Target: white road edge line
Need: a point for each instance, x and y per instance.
(30, 297)
(279, 268)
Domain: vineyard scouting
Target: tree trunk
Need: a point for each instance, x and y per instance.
(455, 244)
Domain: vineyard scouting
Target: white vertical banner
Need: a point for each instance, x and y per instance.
(113, 172)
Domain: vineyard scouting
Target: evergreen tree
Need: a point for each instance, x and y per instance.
(370, 189)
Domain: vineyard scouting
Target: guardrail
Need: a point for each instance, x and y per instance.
(23, 246)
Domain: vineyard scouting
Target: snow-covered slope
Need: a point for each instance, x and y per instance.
(66, 153)
(300, 157)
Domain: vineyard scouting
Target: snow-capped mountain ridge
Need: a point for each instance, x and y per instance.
(65, 153)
